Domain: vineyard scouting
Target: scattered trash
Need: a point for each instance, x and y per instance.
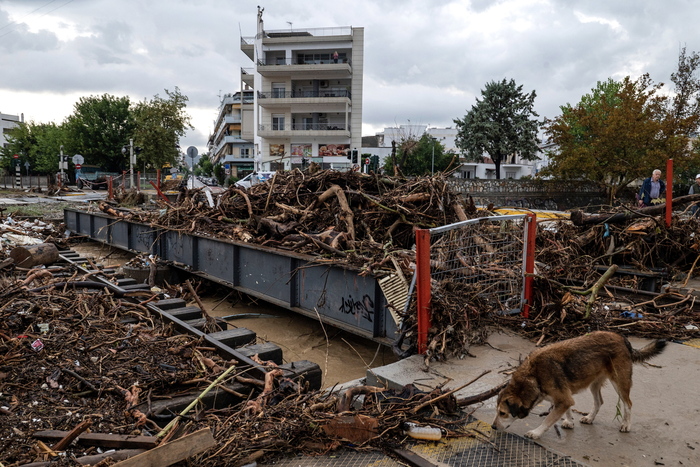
(631, 314)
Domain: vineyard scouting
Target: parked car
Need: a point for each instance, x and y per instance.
(253, 179)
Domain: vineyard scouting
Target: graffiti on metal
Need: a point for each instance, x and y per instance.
(363, 309)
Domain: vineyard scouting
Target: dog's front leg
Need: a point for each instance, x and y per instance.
(559, 409)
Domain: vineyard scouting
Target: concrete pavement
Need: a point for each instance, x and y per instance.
(665, 415)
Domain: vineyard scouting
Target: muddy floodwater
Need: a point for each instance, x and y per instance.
(342, 356)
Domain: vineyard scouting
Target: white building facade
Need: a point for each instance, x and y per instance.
(231, 144)
(8, 122)
(513, 167)
(308, 95)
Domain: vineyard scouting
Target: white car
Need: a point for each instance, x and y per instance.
(253, 179)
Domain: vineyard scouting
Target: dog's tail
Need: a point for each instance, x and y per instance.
(645, 353)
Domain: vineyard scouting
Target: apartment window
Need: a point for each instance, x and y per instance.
(510, 175)
(278, 90)
(278, 122)
(245, 152)
(307, 123)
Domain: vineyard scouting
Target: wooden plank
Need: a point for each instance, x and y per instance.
(103, 439)
(172, 452)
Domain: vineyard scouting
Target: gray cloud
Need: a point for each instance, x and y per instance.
(424, 61)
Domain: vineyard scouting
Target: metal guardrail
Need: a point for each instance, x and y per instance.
(337, 295)
(304, 94)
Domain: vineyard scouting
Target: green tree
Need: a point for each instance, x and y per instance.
(37, 144)
(204, 167)
(420, 156)
(619, 133)
(500, 125)
(160, 123)
(98, 129)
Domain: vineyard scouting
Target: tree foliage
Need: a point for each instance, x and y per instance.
(624, 130)
(419, 156)
(36, 144)
(159, 125)
(98, 129)
(500, 124)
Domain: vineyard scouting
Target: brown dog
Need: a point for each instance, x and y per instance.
(558, 371)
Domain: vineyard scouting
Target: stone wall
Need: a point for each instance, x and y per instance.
(531, 194)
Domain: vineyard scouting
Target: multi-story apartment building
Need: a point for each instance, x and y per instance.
(308, 95)
(8, 122)
(231, 144)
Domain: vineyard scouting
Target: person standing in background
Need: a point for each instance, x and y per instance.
(652, 189)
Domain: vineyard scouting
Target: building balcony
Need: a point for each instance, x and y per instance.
(286, 67)
(279, 99)
(304, 129)
(300, 35)
(248, 76)
(248, 47)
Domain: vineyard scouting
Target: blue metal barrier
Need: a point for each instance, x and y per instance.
(298, 282)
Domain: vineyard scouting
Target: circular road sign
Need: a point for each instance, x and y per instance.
(16, 156)
(367, 161)
(192, 152)
(78, 166)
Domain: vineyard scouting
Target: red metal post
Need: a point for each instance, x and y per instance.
(110, 187)
(531, 233)
(158, 179)
(423, 287)
(669, 191)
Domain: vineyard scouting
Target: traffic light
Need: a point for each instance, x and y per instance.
(374, 163)
(355, 156)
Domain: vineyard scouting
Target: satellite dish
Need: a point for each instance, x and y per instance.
(78, 159)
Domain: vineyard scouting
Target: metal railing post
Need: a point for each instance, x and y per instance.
(423, 288)
(531, 233)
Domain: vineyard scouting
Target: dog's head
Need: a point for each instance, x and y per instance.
(515, 401)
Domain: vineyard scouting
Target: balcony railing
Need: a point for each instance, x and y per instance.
(318, 32)
(306, 127)
(299, 61)
(302, 94)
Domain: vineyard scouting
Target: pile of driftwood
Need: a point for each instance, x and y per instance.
(368, 221)
(359, 219)
(82, 371)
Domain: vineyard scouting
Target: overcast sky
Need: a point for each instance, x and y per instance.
(425, 62)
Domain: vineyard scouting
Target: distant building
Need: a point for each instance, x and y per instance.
(308, 95)
(513, 167)
(231, 144)
(8, 122)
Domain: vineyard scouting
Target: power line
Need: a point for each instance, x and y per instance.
(17, 23)
(28, 14)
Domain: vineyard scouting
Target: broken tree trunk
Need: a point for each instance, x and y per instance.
(580, 218)
(33, 255)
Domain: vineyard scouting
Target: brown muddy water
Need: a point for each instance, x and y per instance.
(342, 356)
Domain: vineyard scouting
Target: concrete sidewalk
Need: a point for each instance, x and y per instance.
(665, 414)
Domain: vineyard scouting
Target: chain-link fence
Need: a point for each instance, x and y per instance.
(489, 256)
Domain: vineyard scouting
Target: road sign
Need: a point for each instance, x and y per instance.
(366, 160)
(192, 152)
(16, 156)
(78, 166)
(78, 159)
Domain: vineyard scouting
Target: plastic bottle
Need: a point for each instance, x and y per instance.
(424, 432)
